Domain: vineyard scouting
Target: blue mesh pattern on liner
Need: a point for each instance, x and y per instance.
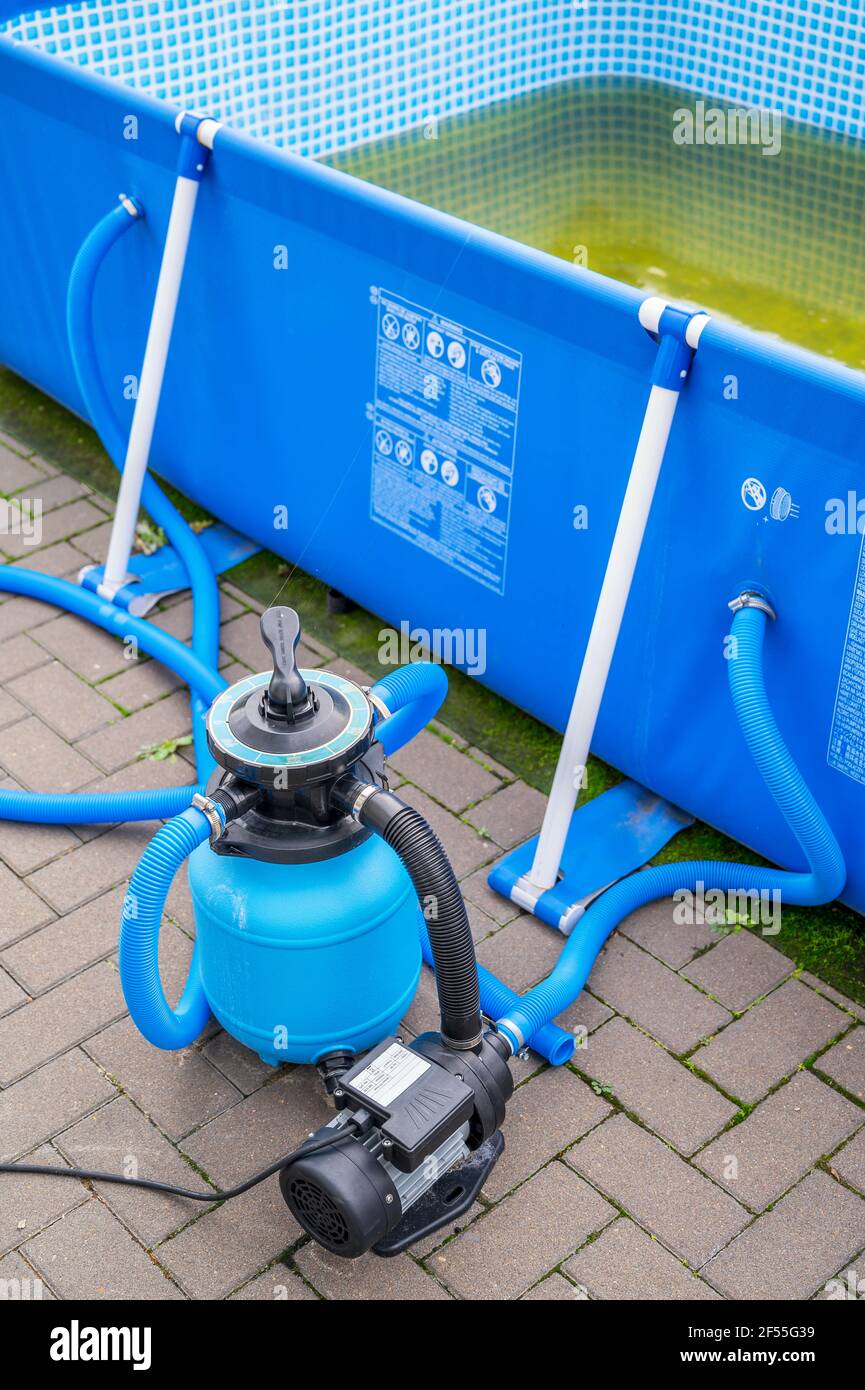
(327, 75)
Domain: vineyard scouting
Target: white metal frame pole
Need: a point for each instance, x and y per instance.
(197, 136)
(682, 331)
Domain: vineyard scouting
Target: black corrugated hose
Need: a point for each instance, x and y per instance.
(441, 902)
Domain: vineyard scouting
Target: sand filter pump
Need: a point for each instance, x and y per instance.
(313, 886)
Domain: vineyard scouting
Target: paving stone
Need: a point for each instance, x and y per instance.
(521, 953)
(780, 1140)
(61, 560)
(31, 1201)
(262, 1127)
(834, 995)
(126, 739)
(555, 1289)
(16, 472)
(244, 599)
(22, 908)
(40, 760)
(144, 682)
(87, 871)
(56, 492)
(503, 1253)
(58, 1020)
(583, 1016)
(476, 889)
(242, 639)
(482, 926)
(845, 1063)
(48, 1100)
(19, 1281)
(178, 1090)
(792, 1250)
(545, 1115)
(89, 1255)
(242, 1067)
(498, 769)
(53, 526)
(692, 1216)
(770, 1040)
(118, 1139)
(176, 619)
(26, 847)
(64, 701)
(369, 1279)
(275, 1285)
(657, 999)
(649, 1083)
(443, 771)
(10, 709)
(145, 773)
(351, 672)
(423, 1016)
(20, 614)
(11, 994)
(94, 543)
(432, 1242)
(85, 649)
(465, 849)
(740, 969)
(849, 1164)
(228, 1245)
(625, 1263)
(510, 815)
(68, 944)
(18, 654)
(655, 929)
(178, 904)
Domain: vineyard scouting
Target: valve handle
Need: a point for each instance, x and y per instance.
(288, 695)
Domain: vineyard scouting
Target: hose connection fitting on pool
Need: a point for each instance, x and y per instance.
(678, 333)
(130, 205)
(752, 598)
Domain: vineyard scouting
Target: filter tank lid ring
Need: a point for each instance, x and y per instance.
(226, 741)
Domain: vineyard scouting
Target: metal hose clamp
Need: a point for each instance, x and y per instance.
(362, 798)
(377, 703)
(215, 815)
(749, 598)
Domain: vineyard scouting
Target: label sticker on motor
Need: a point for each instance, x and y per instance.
(389, 1074)
(847, 738)
(444, 435)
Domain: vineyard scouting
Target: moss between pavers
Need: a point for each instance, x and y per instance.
(828, 941)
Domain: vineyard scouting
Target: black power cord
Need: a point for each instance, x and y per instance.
(152, 1185)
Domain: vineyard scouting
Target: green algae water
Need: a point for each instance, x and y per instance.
(769, 232)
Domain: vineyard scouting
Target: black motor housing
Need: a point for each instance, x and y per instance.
(422, 1133)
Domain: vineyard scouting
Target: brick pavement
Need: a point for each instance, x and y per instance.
(707, 1142)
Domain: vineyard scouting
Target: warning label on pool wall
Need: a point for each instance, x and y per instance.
(444, 434)
(847, 739)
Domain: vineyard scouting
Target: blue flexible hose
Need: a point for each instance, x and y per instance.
(413, 694)
(198, 666)
(551, 1041)
(82, 345)
(143, 907)
(823, 881)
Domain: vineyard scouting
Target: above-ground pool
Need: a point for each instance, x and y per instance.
(438, 419)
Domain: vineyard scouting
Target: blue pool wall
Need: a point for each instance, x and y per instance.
(266, 406)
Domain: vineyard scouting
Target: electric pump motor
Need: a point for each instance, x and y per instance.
(422, 1133)
(329, 867)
